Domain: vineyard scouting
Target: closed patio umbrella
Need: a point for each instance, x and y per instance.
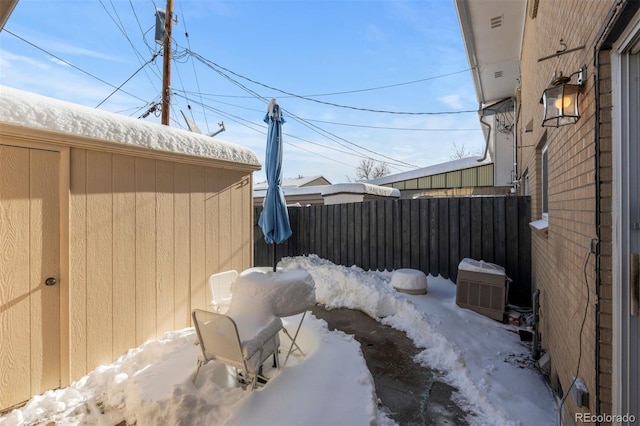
(274, 219)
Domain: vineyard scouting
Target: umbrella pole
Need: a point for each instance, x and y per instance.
(274, 257)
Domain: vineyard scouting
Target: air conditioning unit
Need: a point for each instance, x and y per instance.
(482, 287)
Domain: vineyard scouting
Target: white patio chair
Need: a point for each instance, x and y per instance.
(220, 288)
(244, 345)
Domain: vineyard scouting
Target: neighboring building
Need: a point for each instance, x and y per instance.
(491, 174)
(317, 190)
(299, 182)
(297, 191)
(109, 229)
(357, 192)
(467, 176)
(583, 180)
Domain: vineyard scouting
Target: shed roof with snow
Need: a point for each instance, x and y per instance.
(36, 111)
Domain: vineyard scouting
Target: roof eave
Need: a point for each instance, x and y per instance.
(6, 7)
(467, 36)
(493, 31)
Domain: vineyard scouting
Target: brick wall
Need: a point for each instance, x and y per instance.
(562, 268)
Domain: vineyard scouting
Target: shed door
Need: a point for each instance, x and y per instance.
(29, 255)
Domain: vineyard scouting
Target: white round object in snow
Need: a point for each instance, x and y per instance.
(409, 281)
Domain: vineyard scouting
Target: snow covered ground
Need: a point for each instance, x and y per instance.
(152, 384)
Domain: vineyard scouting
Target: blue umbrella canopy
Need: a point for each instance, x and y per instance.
(274, 219)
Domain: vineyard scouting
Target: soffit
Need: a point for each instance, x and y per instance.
(492, 32)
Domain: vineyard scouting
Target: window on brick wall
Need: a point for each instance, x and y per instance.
(541, 187)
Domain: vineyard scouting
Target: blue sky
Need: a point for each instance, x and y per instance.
(394, 56)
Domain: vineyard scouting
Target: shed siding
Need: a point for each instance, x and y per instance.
(78, 264)
(165, 283)
(182, 244)
(124, 253)
(196, 215)
(14, 165)
(144, 236)
(99, 258)
(138, 232)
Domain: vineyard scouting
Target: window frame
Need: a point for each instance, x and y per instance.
(544, 181)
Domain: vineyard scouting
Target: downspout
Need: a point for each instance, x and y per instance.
(514, 173)
(487, 137)
(535, 345)
(465, 23)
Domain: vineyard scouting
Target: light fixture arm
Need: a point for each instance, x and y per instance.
(582, 75)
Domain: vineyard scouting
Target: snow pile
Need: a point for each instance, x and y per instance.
(342, 287)
(31, 110)
(481, 266)
(411, 281)
(282, 293)
(152, 384)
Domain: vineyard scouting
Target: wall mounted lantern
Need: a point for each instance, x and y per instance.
(561, 100)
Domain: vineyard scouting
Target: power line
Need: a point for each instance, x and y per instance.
(236, 119)
(125, 82)
(70, 64)
(258, 96)
(135, 15)
(263, 129)
(208, 98)
(219, 67)
(144, 40)
(120, 25)
(353, 154)
(319, 155)
(416, 129)
(350, 91)
(142, 31)
(307, 124)
(386, 86)
(313, 126)
(117, 22)
(335, 138)
(300, 119)
(193, 65)
(388, 128)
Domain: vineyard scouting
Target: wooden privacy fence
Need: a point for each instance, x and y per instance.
(430, 234)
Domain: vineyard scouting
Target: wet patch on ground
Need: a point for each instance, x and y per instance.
(412, 393)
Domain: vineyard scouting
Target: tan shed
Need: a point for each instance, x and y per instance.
(109, 228)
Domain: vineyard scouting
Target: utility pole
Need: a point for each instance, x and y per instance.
(166, 63)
